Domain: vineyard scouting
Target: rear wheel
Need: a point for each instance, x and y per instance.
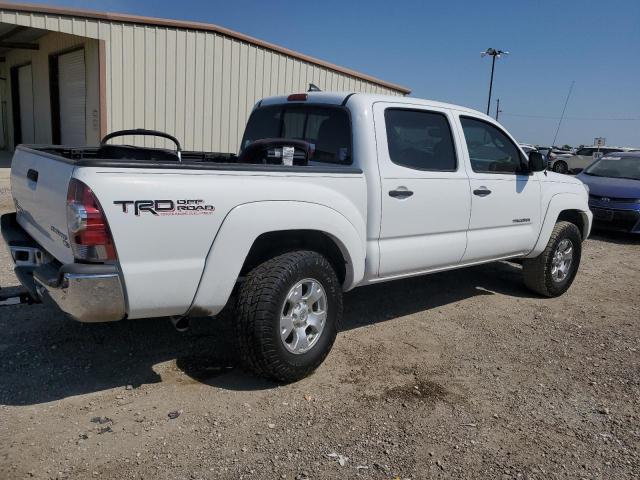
(289, 312)
(560, 167)
(552, 272)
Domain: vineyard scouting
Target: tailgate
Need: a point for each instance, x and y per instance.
(39, 183)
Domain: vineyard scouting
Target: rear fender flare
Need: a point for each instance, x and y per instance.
(245, 223)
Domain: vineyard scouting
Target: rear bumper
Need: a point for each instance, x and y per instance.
(87, 292)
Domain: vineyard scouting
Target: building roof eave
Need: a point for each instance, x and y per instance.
(190, 25)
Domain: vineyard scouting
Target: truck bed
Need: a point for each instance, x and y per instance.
(172, 247)
(198, 160)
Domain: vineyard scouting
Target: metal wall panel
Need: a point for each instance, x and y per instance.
(197, 85)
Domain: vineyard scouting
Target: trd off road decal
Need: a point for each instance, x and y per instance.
(166, 207)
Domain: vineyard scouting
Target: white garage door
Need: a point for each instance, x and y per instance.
(73, 98)
(25, 92)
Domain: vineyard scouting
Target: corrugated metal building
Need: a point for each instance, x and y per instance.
(71, 76)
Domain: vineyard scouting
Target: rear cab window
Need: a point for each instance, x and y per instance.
(326, 128)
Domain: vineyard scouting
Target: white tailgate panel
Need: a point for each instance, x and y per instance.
(42, 205)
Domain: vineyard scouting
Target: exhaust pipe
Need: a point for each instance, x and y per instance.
(181, 324)
(15, 296)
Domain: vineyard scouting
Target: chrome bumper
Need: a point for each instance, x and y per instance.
(87, 292)
(87, 297)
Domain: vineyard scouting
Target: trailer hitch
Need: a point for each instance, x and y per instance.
(15, 296)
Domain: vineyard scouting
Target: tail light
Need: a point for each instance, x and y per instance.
(89, 233)
(297, 97)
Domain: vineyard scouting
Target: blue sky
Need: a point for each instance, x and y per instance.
(434, 49)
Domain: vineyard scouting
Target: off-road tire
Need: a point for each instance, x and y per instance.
(537, 271)
(560, 167)
(259, 305)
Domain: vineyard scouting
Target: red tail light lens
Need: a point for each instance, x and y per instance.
(89, 233)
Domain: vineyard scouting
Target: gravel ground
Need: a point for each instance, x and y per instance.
(463, 374)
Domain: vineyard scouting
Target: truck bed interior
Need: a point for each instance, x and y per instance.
(128, 152)
(127, 156)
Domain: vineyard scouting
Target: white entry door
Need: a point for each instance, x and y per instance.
(25, 94)
(73, 98)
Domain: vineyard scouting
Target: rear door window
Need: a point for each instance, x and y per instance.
(420, 139)
(327, 129)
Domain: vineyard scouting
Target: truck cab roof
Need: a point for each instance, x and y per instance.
(341, 98)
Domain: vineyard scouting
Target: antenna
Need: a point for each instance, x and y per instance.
(313, 88)
(563, 110)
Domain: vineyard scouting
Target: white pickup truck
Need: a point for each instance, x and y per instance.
(330, 191)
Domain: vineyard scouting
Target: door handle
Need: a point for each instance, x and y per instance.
(400, 193)
(482, 191)
(32, 175)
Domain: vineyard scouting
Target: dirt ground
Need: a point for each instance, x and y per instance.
(462, 374)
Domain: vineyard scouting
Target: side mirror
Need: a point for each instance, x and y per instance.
(536, 161)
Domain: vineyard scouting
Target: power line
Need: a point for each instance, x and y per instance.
(615, 119)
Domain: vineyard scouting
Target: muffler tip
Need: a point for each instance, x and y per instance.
(181, 324)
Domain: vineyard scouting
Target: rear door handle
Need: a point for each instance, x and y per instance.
(400, 193)
(482, 191)
(32, 175)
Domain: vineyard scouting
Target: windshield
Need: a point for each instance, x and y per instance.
(616, 167)
(327, 129)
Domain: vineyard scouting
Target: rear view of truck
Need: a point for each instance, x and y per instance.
(60, 240)
(120, 231)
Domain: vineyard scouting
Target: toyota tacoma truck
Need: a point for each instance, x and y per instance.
(329, 191)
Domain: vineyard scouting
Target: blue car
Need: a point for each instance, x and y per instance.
(614, 191)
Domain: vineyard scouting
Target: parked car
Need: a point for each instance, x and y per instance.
(573, 163)
(330, 191)
(614, 184)
(526, 147)
(557, 159)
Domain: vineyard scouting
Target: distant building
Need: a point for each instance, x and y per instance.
(71, 76)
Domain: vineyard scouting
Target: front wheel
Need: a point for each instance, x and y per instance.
(289, 312)
(560, 167)
(552, 272)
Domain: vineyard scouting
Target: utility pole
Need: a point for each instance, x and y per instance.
(498, 109)
(495, 54)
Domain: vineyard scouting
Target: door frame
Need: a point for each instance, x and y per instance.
(16, 116)
(54, 90)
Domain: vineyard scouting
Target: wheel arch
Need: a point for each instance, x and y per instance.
(270, 244)
(578, 218)
(257, 231)
(569, 207)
